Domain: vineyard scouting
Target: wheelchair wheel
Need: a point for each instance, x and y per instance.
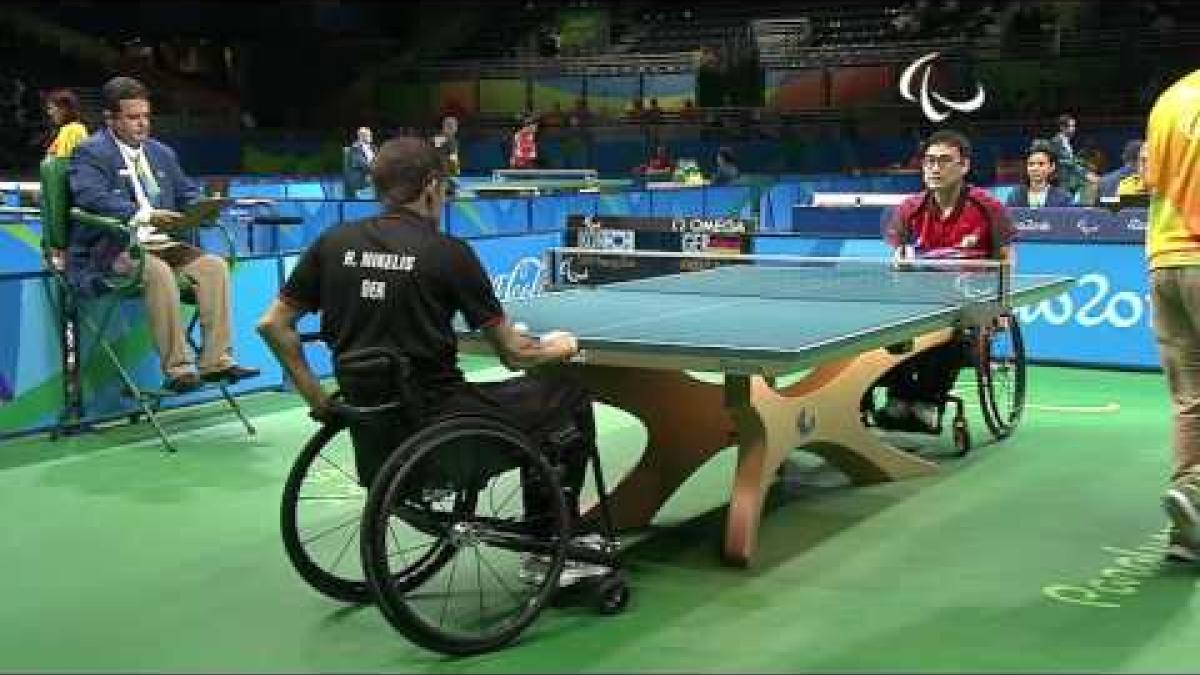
(320, 516)
(612, 595)
(1000, 372)
(452, 497)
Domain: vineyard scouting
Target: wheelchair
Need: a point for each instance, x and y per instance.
(995, 352)
(442, 540)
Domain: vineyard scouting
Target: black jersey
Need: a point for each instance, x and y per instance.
(395, 281)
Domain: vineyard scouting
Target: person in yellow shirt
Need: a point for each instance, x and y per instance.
(1172, 177)
(1135, 183)
(62, 107)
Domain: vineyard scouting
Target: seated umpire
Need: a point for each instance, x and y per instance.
(396, 282)
(123, 173)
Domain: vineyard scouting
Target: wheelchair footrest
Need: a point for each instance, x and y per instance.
(607, 593)
(909, 424)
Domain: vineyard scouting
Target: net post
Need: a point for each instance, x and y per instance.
(549, 281)
(1004, 285)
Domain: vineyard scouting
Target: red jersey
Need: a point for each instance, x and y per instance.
(524, 150)
(977, 227)
(657, 163)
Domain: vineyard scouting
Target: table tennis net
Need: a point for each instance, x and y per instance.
(940, 282)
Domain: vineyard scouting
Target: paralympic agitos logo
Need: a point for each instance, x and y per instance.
(927, 97)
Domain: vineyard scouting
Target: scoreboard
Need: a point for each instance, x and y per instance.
(682, 235)
(633, 234)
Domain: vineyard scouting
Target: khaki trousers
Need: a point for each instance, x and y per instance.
(1175, 304)
(210, 278)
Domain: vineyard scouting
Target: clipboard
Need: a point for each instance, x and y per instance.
(203, 210)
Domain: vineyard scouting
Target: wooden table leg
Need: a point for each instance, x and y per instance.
(685, 426)
(688, 421)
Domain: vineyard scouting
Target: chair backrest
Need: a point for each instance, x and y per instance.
(374, 376)
(377, 377)
(55, 203)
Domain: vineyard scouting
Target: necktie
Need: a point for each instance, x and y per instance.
(149, 182)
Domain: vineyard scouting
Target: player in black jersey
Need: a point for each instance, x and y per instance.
(396, 282)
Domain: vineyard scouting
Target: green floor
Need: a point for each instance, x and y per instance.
(1038, 554)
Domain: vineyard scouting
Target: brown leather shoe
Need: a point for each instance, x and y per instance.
(182, 384)
(231, 374)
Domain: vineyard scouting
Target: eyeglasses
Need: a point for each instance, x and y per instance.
(942, 161)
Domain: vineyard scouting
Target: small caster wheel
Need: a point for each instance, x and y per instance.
(962, 438)
(612, 595)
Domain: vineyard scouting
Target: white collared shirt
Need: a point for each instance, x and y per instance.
(147, 234)
(1066, 141)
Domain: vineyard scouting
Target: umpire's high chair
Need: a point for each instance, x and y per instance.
(57, 218)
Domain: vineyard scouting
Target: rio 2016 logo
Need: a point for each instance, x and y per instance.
(1101, 305)
(927, 97)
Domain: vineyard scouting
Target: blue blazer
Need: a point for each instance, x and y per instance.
(1110, 180)
(1071, 170)
(358, 169)
(102, 184)
(1055, 196)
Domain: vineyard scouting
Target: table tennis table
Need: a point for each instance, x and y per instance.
(834, 326)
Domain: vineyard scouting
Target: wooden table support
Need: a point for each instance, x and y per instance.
(688, 421)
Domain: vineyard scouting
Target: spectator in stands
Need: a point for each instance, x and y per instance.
(554, 118)
(1074, 175)
(578, 138)
(727, 169)
(580, 115)
(21, 132)
(950, 219)
(659, 163)
(62, 107)
(524, 153)
(454, 108)
(689, 113)
(446, 142)
(654, 113)
(1135, 183)
(19, 95)
(906, 23)
(1129, 158)
(123, 173)
(636, 111)
(1039, 187)
(1026, 18)
(360, 156)
(549, 41)
(987, 21)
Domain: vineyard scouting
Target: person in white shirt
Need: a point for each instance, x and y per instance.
(361, 156)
